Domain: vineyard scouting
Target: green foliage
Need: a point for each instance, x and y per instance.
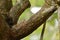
(14, 2)
(37, 2)
(52, 19)
(25, 15)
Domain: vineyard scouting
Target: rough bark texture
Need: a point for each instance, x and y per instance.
(18, 9)
(4, 29)
(9, 16)
(5, 5)
(33, 23)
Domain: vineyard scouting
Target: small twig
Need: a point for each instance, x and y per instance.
(43, 30)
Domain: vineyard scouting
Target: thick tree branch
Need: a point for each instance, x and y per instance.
(5, 5)
(9, 5)
(25, 28)
(18, 9)
(4, 29)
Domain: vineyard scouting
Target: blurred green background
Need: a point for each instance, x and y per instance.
(51, 31)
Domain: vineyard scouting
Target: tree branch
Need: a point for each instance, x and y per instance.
(5, 4)
(18, 9)
(25, 28)
(4, 29)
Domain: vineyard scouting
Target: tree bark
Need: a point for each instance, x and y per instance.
(18, 9)
(5, 5)
(10, 14)
(25, 28)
